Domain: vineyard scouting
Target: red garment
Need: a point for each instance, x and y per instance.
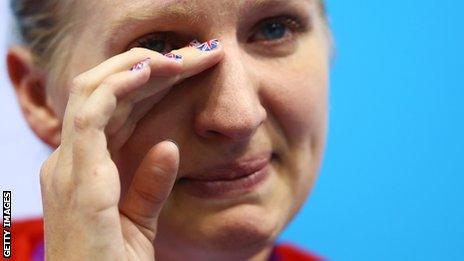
(27, 245)
(287, 252)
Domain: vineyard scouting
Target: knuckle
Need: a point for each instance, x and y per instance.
(99, 171)
(78, 84)
(149, 196)
(82, 121)
(47, 168)
(161, 170)
(45, 172)
(96, 191)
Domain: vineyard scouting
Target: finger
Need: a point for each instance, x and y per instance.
(151, 185)
(195, 60)
(199, 58)
(84, 84)
(161, 65)
(96, 112)
(90, 145)
(118, 138)
(130, 109)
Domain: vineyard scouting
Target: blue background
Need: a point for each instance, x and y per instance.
(392, 182)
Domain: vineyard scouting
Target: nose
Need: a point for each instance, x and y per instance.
(232, 108)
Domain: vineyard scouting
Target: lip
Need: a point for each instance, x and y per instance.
(228, 180)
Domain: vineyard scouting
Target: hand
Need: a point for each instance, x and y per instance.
(84, 216)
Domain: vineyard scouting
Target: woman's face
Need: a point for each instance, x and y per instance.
(267, 97)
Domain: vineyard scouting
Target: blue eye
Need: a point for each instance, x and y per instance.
(276, 29)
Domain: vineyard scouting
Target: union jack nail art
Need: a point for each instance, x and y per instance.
(174, 56)
(209, 45)
(140, 65)
(194, 43)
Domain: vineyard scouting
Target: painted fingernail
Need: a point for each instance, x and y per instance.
(209, 45)
(194, 43)
(174, 56)
(140, 65)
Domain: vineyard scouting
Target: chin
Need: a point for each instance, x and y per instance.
(248, 223)
(249, 228)
(241, 227)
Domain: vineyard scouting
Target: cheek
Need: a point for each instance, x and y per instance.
(299, 103)
(299, 108)
(295, 89)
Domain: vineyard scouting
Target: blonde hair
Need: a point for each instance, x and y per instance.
(41, 26)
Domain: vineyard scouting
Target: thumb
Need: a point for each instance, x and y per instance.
(151, 185)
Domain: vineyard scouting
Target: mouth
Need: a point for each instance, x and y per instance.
(228, 180)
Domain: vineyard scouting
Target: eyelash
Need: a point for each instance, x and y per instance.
(293, 26)
(163, 36)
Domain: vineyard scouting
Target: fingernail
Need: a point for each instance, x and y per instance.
(140, 65)
(177, 145)
(194, 43)
(174, 56)
(209, 45)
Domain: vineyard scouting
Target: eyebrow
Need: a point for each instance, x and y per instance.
(171, 11)
(265, 4)
(168, 11)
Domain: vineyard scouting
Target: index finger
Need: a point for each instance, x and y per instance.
(195, 59)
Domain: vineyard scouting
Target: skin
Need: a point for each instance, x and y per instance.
(113, 180)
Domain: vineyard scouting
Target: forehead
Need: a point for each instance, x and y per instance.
(110, 17)
(117, 9)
